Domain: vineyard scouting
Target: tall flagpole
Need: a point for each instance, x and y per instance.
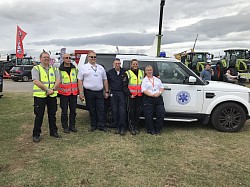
(160, 28)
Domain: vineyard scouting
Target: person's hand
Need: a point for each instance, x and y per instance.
(81, 97)
(50, 91)
(132, 97)
(106, 95)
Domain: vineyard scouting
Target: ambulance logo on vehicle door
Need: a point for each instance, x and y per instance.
(183, 97)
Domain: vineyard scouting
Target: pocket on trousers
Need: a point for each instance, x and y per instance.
(36, 109)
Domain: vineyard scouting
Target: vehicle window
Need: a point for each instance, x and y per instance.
(171, 72)
(15, 68)
(28, 68)
(126, 64)
(106, 60)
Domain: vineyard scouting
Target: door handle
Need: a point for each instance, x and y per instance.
(166, 88)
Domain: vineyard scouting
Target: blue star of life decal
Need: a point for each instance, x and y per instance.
(183, 97)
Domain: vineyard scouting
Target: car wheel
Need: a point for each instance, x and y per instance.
(228, 117)
(25, 78)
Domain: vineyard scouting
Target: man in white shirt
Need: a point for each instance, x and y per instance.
(92, 79)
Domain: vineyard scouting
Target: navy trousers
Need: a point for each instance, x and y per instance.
(118, 105)
(153, 107)
(95, 105)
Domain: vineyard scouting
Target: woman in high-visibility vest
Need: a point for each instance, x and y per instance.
(132, 88)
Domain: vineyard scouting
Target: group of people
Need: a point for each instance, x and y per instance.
(129, 92)
(208, 72)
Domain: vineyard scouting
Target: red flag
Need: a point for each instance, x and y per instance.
(20, 34)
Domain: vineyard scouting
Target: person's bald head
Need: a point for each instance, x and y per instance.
(66, 58)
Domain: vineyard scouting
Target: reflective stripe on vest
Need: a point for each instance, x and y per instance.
(134, 84)
(47, 79)
(69, 83)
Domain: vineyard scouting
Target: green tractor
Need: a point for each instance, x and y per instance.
(238, 59)
(197, 60)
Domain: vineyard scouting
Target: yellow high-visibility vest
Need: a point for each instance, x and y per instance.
(134, 84)
(47, 79)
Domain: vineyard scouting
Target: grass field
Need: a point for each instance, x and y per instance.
(184, 155)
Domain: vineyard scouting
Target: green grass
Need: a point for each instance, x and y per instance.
(186, 154)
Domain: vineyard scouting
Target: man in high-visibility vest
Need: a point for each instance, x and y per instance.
(68, 90)
(132, 87)
(46, 80)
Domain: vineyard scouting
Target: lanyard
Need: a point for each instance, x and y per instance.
(152, 82)
(95, 69)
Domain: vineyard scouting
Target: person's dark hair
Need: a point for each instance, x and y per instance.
(44, 52)
(133, 60)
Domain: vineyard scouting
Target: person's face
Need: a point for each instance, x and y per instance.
(208, 67)
(228, 71)
(134, 65)
(45, 59)
(117, 64)
(92, 57)
(66, 59)
(149, 71)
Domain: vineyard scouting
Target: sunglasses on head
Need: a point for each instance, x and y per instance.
(92, 56)
(67, 57)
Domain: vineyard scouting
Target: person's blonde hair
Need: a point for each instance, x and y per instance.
(148, 66)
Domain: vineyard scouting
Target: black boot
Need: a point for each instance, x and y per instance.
(132, 129)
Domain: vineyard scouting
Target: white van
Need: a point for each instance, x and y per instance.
(186, 97)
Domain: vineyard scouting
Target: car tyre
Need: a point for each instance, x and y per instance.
(228, 117)
(15, 80)
(25, 79)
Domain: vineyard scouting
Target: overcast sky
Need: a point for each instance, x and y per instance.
(130, 24)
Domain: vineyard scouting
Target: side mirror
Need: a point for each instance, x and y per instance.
(191, 80)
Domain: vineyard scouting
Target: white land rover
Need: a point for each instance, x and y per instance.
(186, 97)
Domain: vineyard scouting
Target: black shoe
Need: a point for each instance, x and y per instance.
(73, 129)
(151, 132)
(123, 132)
(55, 135)
(36, 139)
(92, 129)
(104, 129)
(66, 130)
(117, 131)
(132, 131)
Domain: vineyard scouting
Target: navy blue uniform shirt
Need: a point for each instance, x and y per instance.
(116, 81)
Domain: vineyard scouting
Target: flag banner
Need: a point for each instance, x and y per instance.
(20, 34)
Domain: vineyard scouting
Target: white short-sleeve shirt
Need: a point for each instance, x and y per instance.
(92, 76)
(152, 85)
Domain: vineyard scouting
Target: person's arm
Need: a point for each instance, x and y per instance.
(106, 87)
(80, 85)
(80, 88)
(125, 85)
(58, 79)
(212, 72)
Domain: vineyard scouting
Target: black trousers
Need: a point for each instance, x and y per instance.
(153, 107)
(134, 109)
(65, 103)
(39, 109)
(118, 105)
(95, 105)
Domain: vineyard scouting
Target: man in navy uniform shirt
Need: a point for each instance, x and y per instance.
(118, 104)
